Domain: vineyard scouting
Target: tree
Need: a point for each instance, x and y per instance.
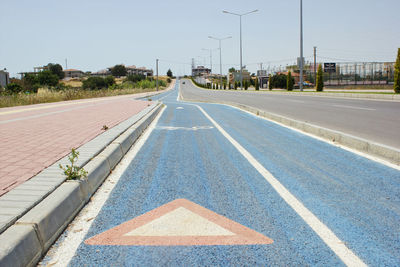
(236, 85)
(289, 81)
(30, 83)
(169, 73)
(56, 69)
(96, 83)
(232, 70)
(320, 79)
(257, 85)
(118, 71)
(13, 88)
(135, 78)
(270, 82)
(109, 80)
(397, 74)
(279, 81)
(224, 85)
(246, 85)
(46, 77)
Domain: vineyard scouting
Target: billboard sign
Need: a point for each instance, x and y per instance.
(330, 67)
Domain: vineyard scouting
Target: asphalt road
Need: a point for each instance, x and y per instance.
(374, 120)
(319, 204)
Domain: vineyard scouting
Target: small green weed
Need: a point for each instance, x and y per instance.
(71, 171)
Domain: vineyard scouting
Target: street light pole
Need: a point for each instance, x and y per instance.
(301, 45)
(157, 73)
(220, 55)
(240, 21)
(209, 49)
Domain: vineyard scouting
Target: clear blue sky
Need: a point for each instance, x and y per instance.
(95, 34)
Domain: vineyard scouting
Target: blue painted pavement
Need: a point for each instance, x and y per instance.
(358, 199)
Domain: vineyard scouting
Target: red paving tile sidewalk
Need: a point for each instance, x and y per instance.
(34, 137)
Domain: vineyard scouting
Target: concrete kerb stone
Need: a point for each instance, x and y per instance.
(42, 225)
(54, 213)
(20, 246)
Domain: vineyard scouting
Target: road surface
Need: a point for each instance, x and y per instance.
(374, 120)
(211, 185)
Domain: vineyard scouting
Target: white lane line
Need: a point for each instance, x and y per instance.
(62, 252)
(296, 101)
(326, 234)
(352, 107)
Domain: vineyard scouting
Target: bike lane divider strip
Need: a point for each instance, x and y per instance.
(328, 237)
(25, 239)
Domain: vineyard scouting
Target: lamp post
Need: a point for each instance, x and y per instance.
(210, 50)
(220, 57)
(240, 19)
(301, 45)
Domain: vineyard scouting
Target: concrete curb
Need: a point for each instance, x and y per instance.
(370, 96)
(26, 241)
(341, 95)
(381, 151)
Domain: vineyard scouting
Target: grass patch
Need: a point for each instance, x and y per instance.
(46, 96)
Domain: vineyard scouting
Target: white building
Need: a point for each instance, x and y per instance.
(4, 78)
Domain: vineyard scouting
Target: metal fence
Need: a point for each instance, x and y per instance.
(356, 73)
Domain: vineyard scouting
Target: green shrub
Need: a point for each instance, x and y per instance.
(109, 80)
(278, 81)
(270, 85)
(320, 79)
(48, 78)
(13, 88)
(246, 85)
(94, 83)
(71, 171)
(397, 74)
(257, 85)
(118, 71)
(289, 81)
(135, 78)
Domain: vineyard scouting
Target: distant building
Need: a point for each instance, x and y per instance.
(104, 72)
(262, 77)
(73, 73)
(4, 78)
(235, 76)
(130, 70)
(200, 71)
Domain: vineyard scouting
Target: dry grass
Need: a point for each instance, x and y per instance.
(46, 96)
(75, 83)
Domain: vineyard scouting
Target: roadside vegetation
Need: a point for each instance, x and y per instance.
(320, 80)
(397, 74)
(46, 86)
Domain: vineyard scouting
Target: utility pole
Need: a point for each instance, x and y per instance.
(315, 65)
(157, 73)
(301, 45)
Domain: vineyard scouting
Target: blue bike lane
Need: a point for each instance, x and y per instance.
(186, 158)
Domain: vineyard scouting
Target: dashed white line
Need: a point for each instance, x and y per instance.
(326, 234)
(352, 107)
